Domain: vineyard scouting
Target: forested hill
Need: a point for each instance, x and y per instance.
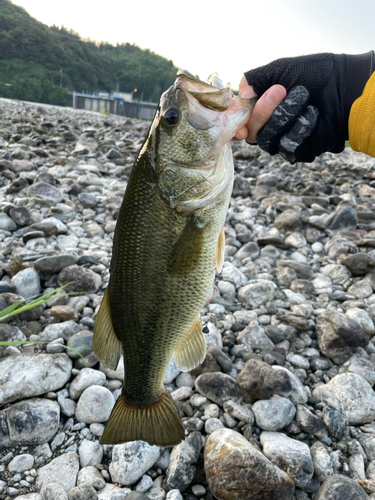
(34, 58)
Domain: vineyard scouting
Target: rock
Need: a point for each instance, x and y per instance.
(323, 467)
(212, 425)
(292, 388)
(32, 421)
(237, 470)
(274, 414)
(343, 218)
(335, 421)
(50, 226)
(64, 313)
(290, 455)
(65, 330)
(257, 292)
(359, 263)
(83, 492)
(308, 422)
(350, 394)
(289, 220)
(80, 279)
(80, 342)
(47, 266)
(9, 333)
(50, 373)
(62, 470)
(224, 361)
(85, 378)
(181, 468)
(254, 337)
(20, 463)
(90, 453)
(362, 318)
(337, 335)
(45, 192)
(53, 491)
(217, 387)
(90, 476)
(131, 460)
(338, 487)
(94, 405)
(27, 283)
(258, 380)
(241, 412)
(172, 372)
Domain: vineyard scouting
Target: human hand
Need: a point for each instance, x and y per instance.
(333, 83)
(262, 111)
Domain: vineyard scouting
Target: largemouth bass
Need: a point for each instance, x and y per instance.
(169, 240)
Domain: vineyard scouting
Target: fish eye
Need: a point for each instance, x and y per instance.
(171, 116)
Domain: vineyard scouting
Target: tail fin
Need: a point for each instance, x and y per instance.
(158, 423)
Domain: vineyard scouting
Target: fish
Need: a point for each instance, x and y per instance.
(168, 243)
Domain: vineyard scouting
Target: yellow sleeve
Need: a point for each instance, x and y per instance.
(362, 120)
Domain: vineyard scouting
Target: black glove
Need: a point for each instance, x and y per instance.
(333, 83)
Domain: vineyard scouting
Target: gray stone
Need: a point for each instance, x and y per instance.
(90, 476)
(292, 388)
(338, 335)
(255, 337)
(212, 425)
(323, 467)
(53, 491)
(241, 412)
(290, 455)
(80, 342)
(289, 220)
(79, 279)
(363, 367)
(27, 283)
(83, 492)
(6, 223)
(308, 422)
(362, 318)
(131, 460)
(335, 421)
(257, 292)
(258, 380)
(9, 333)
(45, 192)
(236, 469)
(172, 372)
(338, 487)
(65, 330)
(359, 263)
(20, 463)
(351, 394)
(184, 456)
(50, 373)
(218, 387)
(273, 414)
(62, 470)
(46, 266)
(94, 405)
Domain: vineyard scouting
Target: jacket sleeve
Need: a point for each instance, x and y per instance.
(362, 120)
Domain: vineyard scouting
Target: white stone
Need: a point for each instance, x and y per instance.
(90, 475)
(90, 453)
(85, 378)
(351, 394)
(131, 460)
(363, 318)
(62, 470)
(20, 463)
(27, 283)
(25, 376)
(317, 247)
(274, 414)
(94, 405)
(172, 371)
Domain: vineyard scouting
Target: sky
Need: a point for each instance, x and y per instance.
(203, 36)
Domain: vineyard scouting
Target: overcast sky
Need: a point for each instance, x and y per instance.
(203, 36)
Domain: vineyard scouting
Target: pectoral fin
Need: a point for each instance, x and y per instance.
(105, 343)
(192, 350)
(220, 251)
(186, 252)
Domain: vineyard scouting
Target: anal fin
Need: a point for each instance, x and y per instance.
(220, 252)
(105, 343)
(192, 350)
(158, 423)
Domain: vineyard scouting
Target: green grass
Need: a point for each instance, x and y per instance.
(14, 309)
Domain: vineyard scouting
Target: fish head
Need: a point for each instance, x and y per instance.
(190, 141)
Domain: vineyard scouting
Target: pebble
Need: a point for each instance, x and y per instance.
(131, 460)
(62, 470)
(94, 405)
(90, 453)
(183, 460)
(257, 478)
(273, 414)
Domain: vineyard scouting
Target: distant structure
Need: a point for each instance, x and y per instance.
(114, 104)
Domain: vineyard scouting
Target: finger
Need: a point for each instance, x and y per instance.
(245, 90)
(263, 110)
(241, 133)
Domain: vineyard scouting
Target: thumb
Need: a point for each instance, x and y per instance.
(263, 110)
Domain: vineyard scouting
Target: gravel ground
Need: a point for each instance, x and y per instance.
(283, 405)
